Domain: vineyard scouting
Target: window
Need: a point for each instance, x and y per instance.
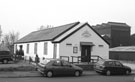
(100, 62)
(57, 63)
(35, 48)
(118, 64)
(65, 63)
(45, 48)
(55, 51)
(75, 49)
(109, 63)
(27, 51)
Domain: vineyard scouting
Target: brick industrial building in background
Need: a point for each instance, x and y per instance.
(117, 34)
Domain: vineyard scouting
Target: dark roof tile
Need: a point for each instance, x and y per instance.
(46, 34)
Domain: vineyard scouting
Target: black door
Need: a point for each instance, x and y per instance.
(67, 67)
(57, 68)
(85, 53)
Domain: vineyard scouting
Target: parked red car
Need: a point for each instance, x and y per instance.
(59, 67)
(109, 67)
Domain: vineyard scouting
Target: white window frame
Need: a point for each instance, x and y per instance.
(45, 48)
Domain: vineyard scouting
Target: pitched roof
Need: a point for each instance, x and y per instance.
(47, 34)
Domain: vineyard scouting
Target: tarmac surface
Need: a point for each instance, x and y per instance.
(18, 74)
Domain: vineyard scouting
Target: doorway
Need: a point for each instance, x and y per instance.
(85, 53)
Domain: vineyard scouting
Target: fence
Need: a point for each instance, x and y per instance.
(93, 59)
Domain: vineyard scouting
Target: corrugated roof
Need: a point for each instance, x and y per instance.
(47, 34)
(124, 49)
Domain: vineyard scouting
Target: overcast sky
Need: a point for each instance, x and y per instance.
(25, 16)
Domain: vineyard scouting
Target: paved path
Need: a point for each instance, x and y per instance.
(32, 74)
(88, 78)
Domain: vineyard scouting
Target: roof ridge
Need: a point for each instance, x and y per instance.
(117, 22)
(54, 27)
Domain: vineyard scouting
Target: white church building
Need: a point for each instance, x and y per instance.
(70, 40)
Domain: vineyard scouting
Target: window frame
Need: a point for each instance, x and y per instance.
(35, 48)
(55, 63)
(45, 48)
(116, 64)
(28, 48)
(75, 49)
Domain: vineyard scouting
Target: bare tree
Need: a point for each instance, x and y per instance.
(9, 40)
(0, 33)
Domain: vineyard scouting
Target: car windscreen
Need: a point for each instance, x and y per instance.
(100, 62)
(44, 62)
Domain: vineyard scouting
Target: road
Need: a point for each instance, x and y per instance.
(90, 78)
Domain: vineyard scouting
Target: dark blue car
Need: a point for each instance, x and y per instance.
(57, 67)
(109, 67)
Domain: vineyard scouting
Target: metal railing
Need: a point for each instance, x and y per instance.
(65, 58)
(93, 59)
(76, 57)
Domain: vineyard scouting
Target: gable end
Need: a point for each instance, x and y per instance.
(65, 31)
(79, 29)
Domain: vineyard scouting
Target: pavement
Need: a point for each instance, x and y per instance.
(22, 74)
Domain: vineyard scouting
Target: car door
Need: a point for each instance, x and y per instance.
(67, 68)
(110, 66)
(57, 67)
(119, 68)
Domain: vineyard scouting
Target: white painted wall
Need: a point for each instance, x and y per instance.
(40, 49)
(75, 40)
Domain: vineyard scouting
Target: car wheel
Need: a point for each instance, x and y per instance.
(127, 72)
(108, 72)
(49, 74)
(77, 73)
(43, 74)
(5, 61)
